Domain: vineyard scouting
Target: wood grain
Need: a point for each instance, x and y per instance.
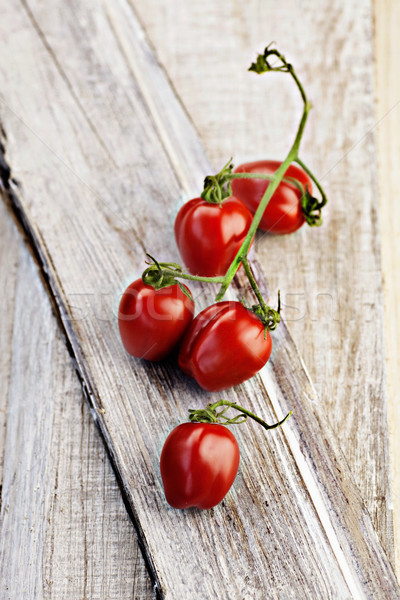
(387, 52)
(329, 553)
(64, 530)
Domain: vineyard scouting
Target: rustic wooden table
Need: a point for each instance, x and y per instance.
(65, 531)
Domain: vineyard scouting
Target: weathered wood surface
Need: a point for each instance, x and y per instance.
(330, 279)
(64, 530)
(63, 90)
(387, 51)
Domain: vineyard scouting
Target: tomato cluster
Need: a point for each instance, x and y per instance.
(226, 343)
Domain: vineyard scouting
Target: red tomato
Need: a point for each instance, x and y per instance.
(208, 236)
(151, 322)
(223, 346)
(199, 463)
(284, 213)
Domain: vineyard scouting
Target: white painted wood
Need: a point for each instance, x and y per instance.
(318, 539)
(64, 530)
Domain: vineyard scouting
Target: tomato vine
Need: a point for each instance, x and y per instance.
(214, 234)
(226, 343)
(218, 187)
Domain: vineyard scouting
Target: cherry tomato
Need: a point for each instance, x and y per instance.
(199, 463)
(151, 322)
(284, 212)
(223, 346)
(208, 235)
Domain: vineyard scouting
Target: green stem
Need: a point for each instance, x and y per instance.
(210, 415)
(275, 181)
(181, 275)
(314, 179)
(253, 283)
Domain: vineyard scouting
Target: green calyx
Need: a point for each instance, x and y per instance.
(218, 187)
(311, 208)
(210, 414)
(268, 316)
(161, 274)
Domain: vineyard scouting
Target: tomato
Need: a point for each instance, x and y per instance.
(209, 235)
(199, 463)
(284, 212)
(223, 346)
(152, 322)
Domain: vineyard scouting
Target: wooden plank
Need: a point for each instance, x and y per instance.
(335, 549)
(387, 51)
(64, 530)
(332, 298)
(7, 299)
